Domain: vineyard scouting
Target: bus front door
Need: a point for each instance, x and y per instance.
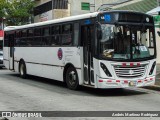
(87, 38)
(11, 51)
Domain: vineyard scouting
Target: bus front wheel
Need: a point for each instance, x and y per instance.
(22, 70)
(72, 78)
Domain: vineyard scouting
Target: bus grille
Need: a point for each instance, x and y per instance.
(130, 72)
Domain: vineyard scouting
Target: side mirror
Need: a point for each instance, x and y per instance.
(158, 32)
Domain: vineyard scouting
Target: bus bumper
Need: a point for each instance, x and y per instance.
(112, 83)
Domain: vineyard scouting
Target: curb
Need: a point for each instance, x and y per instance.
(153, 87)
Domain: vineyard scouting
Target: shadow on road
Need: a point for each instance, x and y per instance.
(113, 92)
(60, 87)
(3, 68)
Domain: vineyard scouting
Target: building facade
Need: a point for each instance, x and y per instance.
(50, 9)
(54, 9)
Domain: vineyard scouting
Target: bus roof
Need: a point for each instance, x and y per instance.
(66, 19)
(71, 18)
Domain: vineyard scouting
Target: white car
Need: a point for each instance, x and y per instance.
(1, 59)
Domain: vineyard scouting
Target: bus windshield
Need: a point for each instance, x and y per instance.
(121, 42)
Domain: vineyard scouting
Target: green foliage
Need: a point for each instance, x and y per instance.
(17, 12)
(3, 5)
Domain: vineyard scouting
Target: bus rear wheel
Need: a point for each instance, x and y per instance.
(22, 70)
(72, 78)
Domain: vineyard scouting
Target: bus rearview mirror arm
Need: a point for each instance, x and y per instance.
(99, 31)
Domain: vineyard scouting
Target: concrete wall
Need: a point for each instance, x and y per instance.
(57, 13)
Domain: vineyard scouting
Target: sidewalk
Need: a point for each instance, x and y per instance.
(157, 83)
(158, 75)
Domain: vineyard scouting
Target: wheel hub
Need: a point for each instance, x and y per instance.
(72, 78)
(21, 69)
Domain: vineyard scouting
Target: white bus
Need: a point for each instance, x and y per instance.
(111, 49)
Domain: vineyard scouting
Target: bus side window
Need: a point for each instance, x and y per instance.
(46, 38)
(55, 31)
(37, 41)
(66, 34)
(46, 31)
(11, 38)
(37, 31)
(24, 33)
(55, 40)
(30, 33)
(76, 34)
(5, 39)
(18, 35)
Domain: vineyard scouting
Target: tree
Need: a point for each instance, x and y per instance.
(3, 5)
(17, 12)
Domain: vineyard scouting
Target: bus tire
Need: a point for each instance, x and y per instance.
(22, 70)
(72, 78)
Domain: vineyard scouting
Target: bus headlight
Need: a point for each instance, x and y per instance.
(152, 68)
(105, 70)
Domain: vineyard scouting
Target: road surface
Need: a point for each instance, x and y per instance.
(40, 94)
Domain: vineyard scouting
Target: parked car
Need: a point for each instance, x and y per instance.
(1, 59)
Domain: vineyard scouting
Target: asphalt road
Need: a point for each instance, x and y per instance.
(40, 94)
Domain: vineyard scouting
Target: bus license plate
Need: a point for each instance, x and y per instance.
(132, 83)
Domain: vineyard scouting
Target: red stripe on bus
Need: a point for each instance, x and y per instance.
(100, 80)
(125, 81)
(124, 64)
(109, 80)
(131, 64)
(151, 78)
(138, 64)
(117, 80)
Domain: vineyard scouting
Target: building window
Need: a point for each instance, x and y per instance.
(85, 6)
(53, 4)
(60, 4)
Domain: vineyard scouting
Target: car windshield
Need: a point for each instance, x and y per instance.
(126, 42)
(1, 54)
